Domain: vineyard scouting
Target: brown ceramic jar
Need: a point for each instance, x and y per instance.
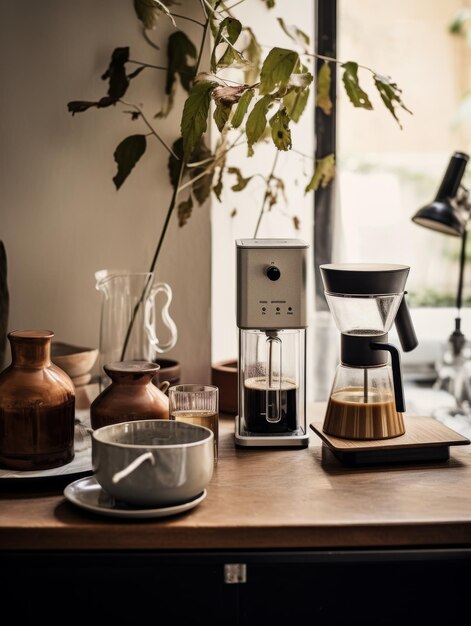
(130, 396)
(37, 406)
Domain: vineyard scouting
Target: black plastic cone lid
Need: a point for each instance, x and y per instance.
(364, 278)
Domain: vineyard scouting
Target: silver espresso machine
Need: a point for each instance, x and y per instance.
(271, 317)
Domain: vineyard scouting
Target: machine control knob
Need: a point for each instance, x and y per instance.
(272, 272)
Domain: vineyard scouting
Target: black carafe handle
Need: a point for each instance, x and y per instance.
(396, 370)
(405, 327)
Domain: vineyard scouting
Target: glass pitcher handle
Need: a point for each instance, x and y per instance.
(167, 320)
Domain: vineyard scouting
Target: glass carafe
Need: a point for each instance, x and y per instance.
(130, 316)
(271, 380)
(362, 404)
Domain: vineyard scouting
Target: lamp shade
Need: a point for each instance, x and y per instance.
(441, 214)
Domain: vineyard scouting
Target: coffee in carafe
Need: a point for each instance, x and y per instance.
(258, 396)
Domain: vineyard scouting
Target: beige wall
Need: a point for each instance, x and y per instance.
(61, 217)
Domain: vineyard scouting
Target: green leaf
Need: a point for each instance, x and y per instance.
(277, 69)
(184, 210)
(253, 55)
(242, 107)
(221, 115)
(241, 181)
(295, 102)
(390, 95)
(324, 79)
(257, 121)
(194, 120)
(229, 31)
(457, 26)
(295, 34)
(324, 172)
(270, 3)
(126, 155)
(280, 131)
(350, 80)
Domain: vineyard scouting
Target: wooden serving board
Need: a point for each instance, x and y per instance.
(426, 439)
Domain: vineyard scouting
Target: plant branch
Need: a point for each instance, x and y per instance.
(190, 19)
(151, 128)
(265, 197)
(156, 67)
(170, 210)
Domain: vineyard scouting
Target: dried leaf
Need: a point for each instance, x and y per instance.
(126, 155)
(233, 213)
(294, 33)
(241, 181)
(277, 69)
(390, 95)
(194, 120)
(357, 96)
(324, 172)
(324, 79)
(270, 3)
(228, 95)
(280, 131)
(296, 222)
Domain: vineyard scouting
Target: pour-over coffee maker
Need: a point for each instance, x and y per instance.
(271, 316)
(367, 397)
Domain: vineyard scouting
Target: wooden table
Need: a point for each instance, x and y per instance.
(268, 502)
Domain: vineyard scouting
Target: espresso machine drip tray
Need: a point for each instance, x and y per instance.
(249, 439)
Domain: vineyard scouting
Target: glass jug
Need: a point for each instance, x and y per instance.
(129, 313)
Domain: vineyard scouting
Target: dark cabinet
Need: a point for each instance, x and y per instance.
(331, 588)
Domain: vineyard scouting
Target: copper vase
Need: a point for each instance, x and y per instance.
(37, 406)
(131, 395)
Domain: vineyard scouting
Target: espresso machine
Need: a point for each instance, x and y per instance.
(271, 317)
(367, 397)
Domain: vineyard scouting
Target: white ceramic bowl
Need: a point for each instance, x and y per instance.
(153, 463)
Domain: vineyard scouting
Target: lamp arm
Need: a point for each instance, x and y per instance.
(459, 295)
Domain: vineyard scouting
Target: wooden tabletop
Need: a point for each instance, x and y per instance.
(266, 499)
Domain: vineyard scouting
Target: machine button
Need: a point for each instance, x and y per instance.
(272, 272)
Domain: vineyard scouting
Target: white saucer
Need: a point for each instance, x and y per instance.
(87, 494)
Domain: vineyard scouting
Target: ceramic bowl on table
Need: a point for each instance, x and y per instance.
(76, 361)
(153, 463)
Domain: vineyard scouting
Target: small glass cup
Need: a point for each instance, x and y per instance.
(196, 404)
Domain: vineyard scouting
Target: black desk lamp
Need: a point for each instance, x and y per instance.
(449, 214)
